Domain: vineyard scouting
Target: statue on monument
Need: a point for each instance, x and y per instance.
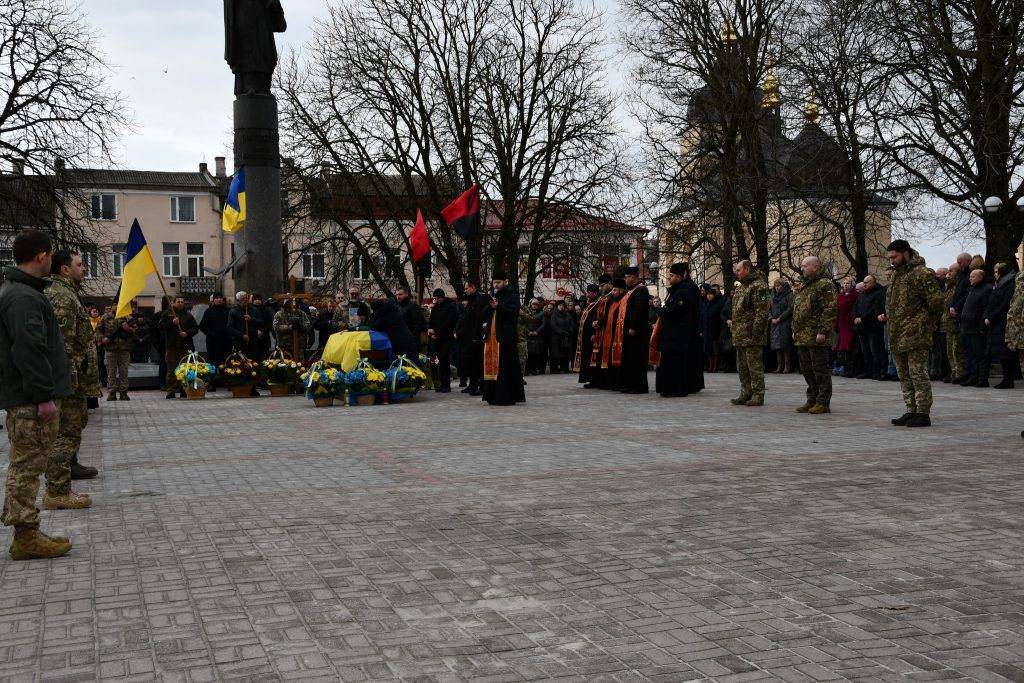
(249, 49)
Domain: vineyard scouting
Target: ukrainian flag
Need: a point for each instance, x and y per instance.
(343, 348)
(138, 263)
(233, 218)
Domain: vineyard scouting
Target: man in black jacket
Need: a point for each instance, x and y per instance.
(412, 314)
(387, 319)
(443, 319)
(245, 324)
(218, 336)
(870, 331)
(34, 377)
(468, 333)
(963, 287)
(972, 325)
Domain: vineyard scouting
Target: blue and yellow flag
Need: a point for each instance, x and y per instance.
(343, 347)
(233, 218)
(138, 263)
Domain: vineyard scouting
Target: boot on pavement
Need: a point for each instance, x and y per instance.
(919, 420)
(902, 420)
(740, 400)
(66, 501)
(756, 401)
(124, 396)
(820, 409)
(805, 407)
(31, 544)
(80, 471)
(111, 396)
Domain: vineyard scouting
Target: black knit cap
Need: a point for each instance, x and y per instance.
(593, 288)
(605, 278)
(439, 293)
(680, 269)
(619, 282)
(631, 270)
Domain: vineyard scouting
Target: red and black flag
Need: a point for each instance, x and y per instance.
(463, 214)
(419, 242)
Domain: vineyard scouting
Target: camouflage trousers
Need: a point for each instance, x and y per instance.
(74, 415)
(750, 366)
(817, 374)
(32, 442)
(955, 354)
(117, 369)
(912, 368)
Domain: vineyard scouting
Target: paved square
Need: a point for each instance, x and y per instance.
(583, 536)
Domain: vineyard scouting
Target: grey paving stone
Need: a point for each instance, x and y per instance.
(582, 536)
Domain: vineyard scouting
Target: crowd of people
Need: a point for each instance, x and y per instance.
(950, 324)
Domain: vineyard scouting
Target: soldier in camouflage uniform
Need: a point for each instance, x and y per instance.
(66, 275)
(814, 319)
(1015, 321)
(117, 337)
(34, 378)
(913, 308)
(749, 325)
(178, 327)
(285, 329)
(951, 326)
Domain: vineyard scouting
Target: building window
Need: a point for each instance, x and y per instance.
(196, 258)
(91, 261)
(104, 207)
(172, 259)
(562, 268)
(361, 267)
(183, 209)
(6, 256)
(547, 270)
(610, 263)
(313, 264)
(118, 259)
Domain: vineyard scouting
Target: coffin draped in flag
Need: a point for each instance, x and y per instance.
(343, 347)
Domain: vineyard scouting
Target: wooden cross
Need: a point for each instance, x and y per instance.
(292, 297)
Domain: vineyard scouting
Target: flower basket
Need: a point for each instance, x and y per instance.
(281, 372)
(323, 401)
(195, 394)
(322, 381)
(404, 379)
(194, 373)
(238, 372)
(368, 399)
(365, 384)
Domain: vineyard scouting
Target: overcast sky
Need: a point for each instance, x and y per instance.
(167, 58)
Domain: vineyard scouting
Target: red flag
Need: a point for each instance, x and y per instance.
(419, 243)
(462, 213)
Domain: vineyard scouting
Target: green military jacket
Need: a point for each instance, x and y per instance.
(750, 307)
(1015, 316)
(110, 328)
(77, 331)
(913, 306)
(814, 311)
(949, 324)
(174, 343)
(283, 330)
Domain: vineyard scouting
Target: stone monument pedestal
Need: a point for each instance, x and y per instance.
(258, 149)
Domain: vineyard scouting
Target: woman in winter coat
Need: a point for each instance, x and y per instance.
(562, 338)
(711, 327)
(781, 315)
(847, 343)
(995, 319)
(536, 344)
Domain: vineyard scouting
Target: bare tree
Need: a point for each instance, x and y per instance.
(55, 103)
(957, 126)
(709, 123)
(417, 101)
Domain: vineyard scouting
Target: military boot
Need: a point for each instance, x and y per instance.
(124, 396)
(756, 401)
(740, 401)
(805, 407)
(80, 471)
(32, 544)
(111, 396)
(901, 420)
(919, 420)
(820, 409)
(66, 501)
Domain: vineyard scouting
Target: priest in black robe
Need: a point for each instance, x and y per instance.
(635, 335)
(597, 376)
(503, 376)
(681, 365)
(585, 338)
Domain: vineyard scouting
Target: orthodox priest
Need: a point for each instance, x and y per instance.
(585, 337)
(675, 341)
(611, 347)
(596, 376)
(503, 377)
(631, 345)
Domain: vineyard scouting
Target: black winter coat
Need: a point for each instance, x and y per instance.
(386, 318)
(470, 325)
(868, 306)
(972, 316)
(507, 316)
(215, 326)
(443, 319)
(413, 316)
(999, 304)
